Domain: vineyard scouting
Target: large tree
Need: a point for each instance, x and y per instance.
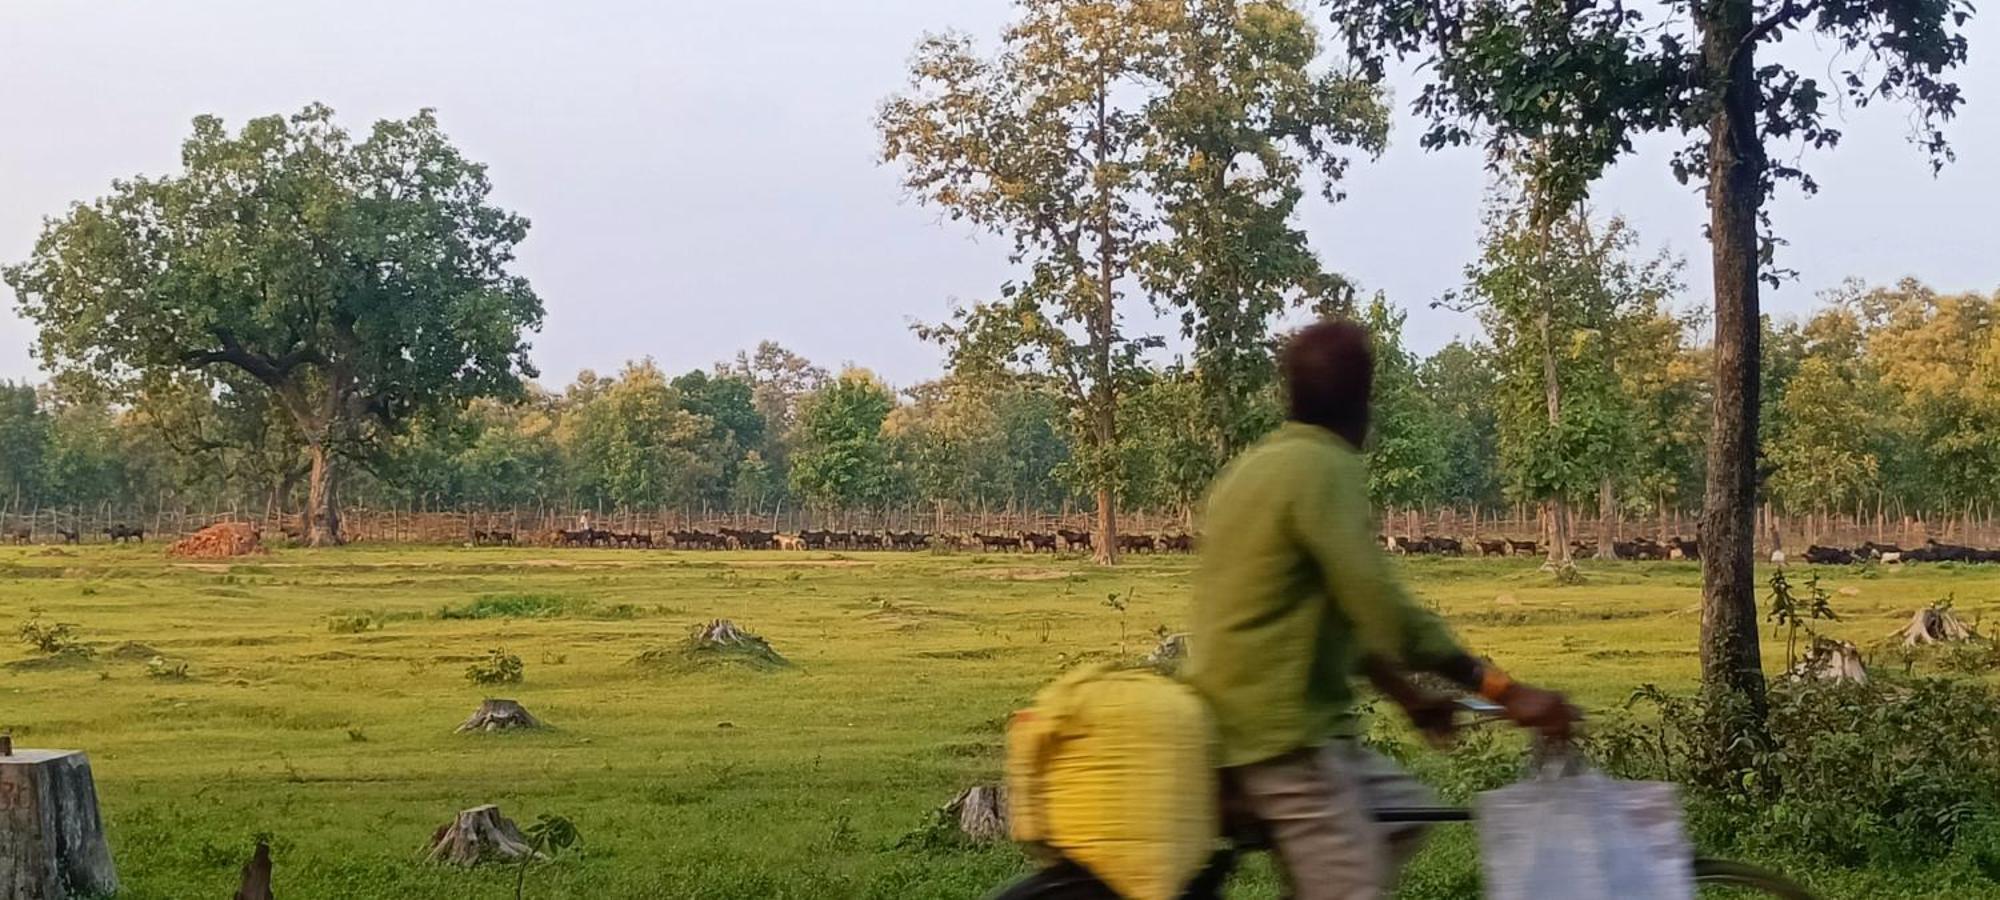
(362, 284)
(840, 460)
(1043, 143)
(1557, 297)
(1584, 80)
(1246, 120)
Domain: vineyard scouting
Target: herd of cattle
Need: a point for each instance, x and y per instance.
(1057, 541)
(1637, 548)
(22, 534)
(1684, 548)
(1071, 540)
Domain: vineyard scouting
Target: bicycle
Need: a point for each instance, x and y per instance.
(1067, 880)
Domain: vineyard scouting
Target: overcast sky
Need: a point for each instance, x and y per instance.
(703, 175)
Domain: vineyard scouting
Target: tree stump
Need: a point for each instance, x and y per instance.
(1167, 657)
(499, 715)
(721, 641)
(1935, 625)
(1832, 660)
(480, 834)
(257, 874)
(981, 812)
(51, 840)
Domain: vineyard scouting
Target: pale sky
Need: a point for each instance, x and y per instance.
(703, 175)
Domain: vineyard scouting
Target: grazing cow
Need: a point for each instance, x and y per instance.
(1177, 543)
(815, 540)
(1528, 547)
(19, 534)
(1873, 550)
(1688, 549)
(909, 540)
(1583, 548)
(996, 541)
(1036, 542)
(1074, 540)
(865, 540)
(751, 539)
(122, 533)
(502, 537)
(1828, 556)
(1133, 543)
(70, 536)
(1492, 548)
(1444, 546)
(697, 540)
(642, 539)
(1638, 548)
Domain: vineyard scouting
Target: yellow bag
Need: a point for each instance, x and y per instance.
(1115, 769)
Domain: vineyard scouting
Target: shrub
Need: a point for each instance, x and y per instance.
(53, 639)
(353, 624)
(1881, 771)
(499, 667)
(509, 606)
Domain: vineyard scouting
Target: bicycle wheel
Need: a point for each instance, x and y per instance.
(1726, 873)
(1062, 881)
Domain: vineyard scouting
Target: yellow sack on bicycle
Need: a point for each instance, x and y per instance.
(1115, 769)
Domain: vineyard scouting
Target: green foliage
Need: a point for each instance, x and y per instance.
(53, 638)
(630, 444)
(499, 667)
(1793, 613)
(360, 286)
(549, 836)
(509, 606)
(841, 460)
(1881, 772)
(1243, 118)
(1565, 304)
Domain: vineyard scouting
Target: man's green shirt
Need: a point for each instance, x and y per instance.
(1292, 591)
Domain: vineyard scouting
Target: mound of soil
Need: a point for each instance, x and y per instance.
(219, 541)
(717, 644)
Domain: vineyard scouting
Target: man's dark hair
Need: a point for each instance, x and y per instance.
(1329, 372)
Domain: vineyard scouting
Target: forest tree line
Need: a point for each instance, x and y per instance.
(1886, 397)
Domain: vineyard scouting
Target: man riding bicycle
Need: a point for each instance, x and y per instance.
(1292, 600)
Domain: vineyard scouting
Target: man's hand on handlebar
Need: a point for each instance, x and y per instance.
(1547, 712)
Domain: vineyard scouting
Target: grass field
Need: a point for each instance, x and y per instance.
(689, 783)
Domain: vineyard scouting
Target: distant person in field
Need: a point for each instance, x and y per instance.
(1293, 601)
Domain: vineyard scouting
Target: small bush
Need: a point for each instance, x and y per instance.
(509, 606)
(352, 624)
(53, 639)
(1878, 772)
(499, 667)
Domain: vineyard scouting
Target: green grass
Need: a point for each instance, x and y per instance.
(335, 735)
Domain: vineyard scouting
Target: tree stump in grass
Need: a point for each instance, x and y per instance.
(1832, 660)
(51, 840)
(480, 834)
(1935, 625)
(257, 874)
(499, 715)
(981, 812)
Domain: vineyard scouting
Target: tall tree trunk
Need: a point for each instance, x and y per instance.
(1607, 505)
(1730, 660)
(322, 517)
(1103, 328)
(1558, 509)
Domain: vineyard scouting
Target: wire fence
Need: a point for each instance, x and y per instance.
(1774, 530)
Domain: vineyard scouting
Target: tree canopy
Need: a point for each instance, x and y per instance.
(359, 285)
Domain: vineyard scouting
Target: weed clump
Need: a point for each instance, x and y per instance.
(499, 667)
(510, 606)
(718, 644)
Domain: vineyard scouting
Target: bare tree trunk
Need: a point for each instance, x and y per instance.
(1104, 409)
(1730, 660)
(1607, 501)
(1557, 513)
(1558, 509)
(322, 518)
